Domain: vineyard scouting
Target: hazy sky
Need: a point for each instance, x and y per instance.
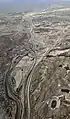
(32, 0)
(3, 0)
(21, 5)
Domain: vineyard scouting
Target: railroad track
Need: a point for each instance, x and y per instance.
(10, 93)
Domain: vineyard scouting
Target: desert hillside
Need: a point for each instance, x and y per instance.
(35, 64)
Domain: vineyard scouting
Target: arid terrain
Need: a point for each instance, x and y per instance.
(35, 64)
